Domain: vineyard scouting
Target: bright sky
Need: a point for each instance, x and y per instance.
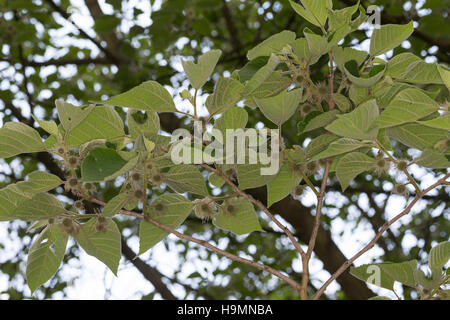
(94, 281)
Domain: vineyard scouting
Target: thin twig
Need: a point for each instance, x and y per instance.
(206, 244)
(259, 205)
(371, 244)
(312, 240)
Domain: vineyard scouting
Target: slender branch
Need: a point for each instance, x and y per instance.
(260, 206)
(312, 240)
(58, 62)
(205, 244)
(371, 244)
(331, 81)
(405, 171)
(66, 16)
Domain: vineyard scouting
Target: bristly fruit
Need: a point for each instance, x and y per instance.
(138, 194)
(298, 168)
(382, 165)
(400, 189)
(402, 165)
(205, 209)
(78, 205)
(298, 192)
(312, 167)
(157, 178)
(73, 161)
(136, 176)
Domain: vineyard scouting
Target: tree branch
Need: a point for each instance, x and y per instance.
(66, 16)
(260, 206)
(371, 244)
(205, 244)
(312, 240)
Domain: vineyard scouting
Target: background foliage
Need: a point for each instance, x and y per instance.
(46, 53)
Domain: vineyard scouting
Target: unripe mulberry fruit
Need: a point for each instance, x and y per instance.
(78, 205)
(400, 189)
(402, 165)
(73, 161)
(205, 209)
(136, 176)
(138, 194)
(298, 192)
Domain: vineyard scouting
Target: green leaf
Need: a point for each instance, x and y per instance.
(17, 138)
(422, 73)
(41, 206)
(374, 76)
(175, 209)
(102, 122)
(319, 144)
(233, 118)
(226, 94)
(342, 102)
(351, 165)
(186, 178)
(249, 176)
(10, 198)
(49, 126)
(439, 255)
(340, 146)
(40, 181)
(314, 11)
(358, 94)
(216, 180)
(442, 122)
(273, 44)
(148, 96)
(105, 246)
(284, 182)
(432, 159)
(300, 47)
(249, 70)
(71, 116)
(402, 272)
(429, 283)
(385, 94)
(356, 124)
(147, 126)
(261, 76)
(115, 204)
(339, 18)
(100, 164)
(407, 106)
(15, 195)
(271, 86)
(45, 256)
(317, 44)
(388, 37)
(199, 73)
(242, 219)
(445, 75)
(373, 274)
(280, 108)
(321, 120)
(398, 64)
(417, 136)
(379, 298)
